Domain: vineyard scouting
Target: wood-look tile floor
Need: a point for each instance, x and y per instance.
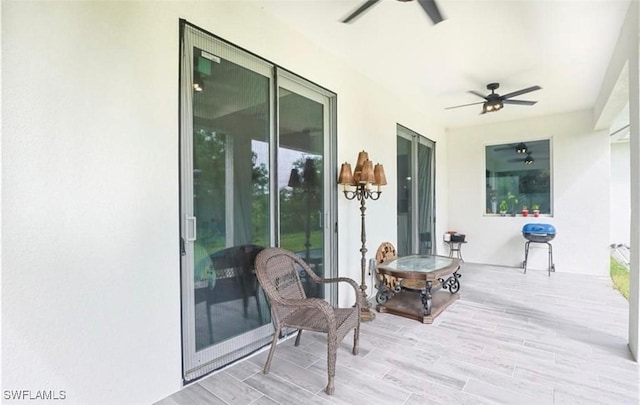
(511, 338)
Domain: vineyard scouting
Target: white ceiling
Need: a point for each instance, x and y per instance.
(564, 46)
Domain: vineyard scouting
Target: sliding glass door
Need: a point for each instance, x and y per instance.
(416, 193)
(246, 183)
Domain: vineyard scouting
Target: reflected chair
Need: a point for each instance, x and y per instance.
(226, 275)
(234, 267)
(278, 272)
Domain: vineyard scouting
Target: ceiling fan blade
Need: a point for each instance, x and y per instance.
(519, 92)
(431, 8)
(463, 105)
(519, 102)
(477, 93)
(361, 9)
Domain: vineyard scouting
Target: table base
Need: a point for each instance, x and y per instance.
(408, 304)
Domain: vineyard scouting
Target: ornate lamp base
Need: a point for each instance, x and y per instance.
(366, 314)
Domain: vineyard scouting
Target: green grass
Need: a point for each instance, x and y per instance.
(296, 241)
(620, 277)
(290, 241)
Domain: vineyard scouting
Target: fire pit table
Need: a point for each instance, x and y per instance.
(415, 286)
(539, 233)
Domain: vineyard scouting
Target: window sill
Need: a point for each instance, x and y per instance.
(518, 216)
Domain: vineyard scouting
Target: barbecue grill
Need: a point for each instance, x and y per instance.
(538, 233)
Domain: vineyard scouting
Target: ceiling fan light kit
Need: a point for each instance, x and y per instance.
(491, 106)
(529, 159)
(521, 148)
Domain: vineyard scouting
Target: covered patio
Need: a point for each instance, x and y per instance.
(92, 227)
(510, 338)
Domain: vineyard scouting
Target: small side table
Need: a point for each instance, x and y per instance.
(455, 246)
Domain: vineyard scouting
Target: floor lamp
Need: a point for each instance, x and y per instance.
(309, 185)
(357, 185)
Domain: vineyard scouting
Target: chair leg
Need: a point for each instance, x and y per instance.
(298, 337)
(356, 339)
(331, 365)
(274, 343)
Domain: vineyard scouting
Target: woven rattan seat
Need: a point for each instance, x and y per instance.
(278, 272)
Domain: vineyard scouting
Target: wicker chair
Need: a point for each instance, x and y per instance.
(278, 273)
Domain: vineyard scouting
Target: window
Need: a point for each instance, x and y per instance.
(518, 178)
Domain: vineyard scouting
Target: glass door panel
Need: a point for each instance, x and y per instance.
(425, 186)
(415, 168)
(230, 198)
(301, 183)
(226, 131)
(405, 195)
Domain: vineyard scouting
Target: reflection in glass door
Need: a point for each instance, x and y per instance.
(302, 126)
(416, 193)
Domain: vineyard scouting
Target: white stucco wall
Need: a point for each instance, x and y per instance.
(90, 278)
(580, 166)
(620, 193)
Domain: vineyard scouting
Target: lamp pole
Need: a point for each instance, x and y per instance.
(361, 193)
(307, 185)
(357, 186)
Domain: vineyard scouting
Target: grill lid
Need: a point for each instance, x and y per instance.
(542, 229)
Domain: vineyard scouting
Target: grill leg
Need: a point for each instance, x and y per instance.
(526, 255)
(551, 265)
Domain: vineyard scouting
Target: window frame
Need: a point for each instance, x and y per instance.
(516, 141)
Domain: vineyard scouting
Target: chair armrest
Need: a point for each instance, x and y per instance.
(303, 302)
(339, 279)
(346, 280)
(317, 303)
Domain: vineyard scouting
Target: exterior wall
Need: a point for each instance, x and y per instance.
(580, 167)
(91, 297)
(620, 193)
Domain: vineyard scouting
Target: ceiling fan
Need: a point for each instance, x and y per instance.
(429, 6)
(528, 160)
(495, 102)
(519, 147)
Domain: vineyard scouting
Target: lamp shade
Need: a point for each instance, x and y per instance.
(362, 157)
(367, 175)
(294, 179)
(378, 174)
(345, 177)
